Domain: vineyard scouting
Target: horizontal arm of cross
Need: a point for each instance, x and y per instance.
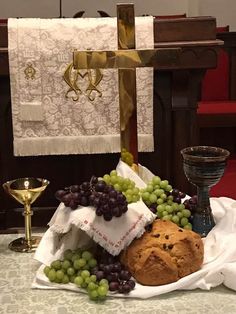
(125, 59)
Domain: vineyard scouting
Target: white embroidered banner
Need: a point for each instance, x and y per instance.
(45, 122)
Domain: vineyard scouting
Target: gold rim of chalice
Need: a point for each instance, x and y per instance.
(26, 191)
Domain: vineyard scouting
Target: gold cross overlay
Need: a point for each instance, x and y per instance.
(126, 60)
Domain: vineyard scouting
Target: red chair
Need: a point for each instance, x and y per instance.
(217, 107)
(217, 110)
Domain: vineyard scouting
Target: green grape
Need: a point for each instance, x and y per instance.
(70, 271)
(93, 294)
(153, 198)
(145, 196)
(149, 188)
(160, 208)
(113, 173)
(102, 290)
(184, 221)
(167, 217)
(76, 264)
(78, 281)
(56, 264)
(156, 180)
(66, 264)
(87, 255)
(186, 213)
(103, 282)
(92, 286)
(52, 275)
(188, 226)
(93, 278)
(160, 201)
(84, 274)
(68, 254)
(169, 209)
(106, 178)
(65, 279)
(180, 214)
(59, 274)
(164, 184)
(75, 257)
(72, 278)
(81, 262)
(46, 270)
(92, 262)
(175, 219)
(158, 192)
(168, 188)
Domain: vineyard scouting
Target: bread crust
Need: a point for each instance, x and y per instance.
(164, 255)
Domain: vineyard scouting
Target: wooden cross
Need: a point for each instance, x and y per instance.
(126, 60)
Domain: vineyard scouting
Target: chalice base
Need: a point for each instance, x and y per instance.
(21, 245)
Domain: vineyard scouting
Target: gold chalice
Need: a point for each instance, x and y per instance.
(26, 191)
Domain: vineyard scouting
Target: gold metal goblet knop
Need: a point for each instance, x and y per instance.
(26, 191)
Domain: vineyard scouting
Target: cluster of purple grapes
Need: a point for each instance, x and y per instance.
(110, 268)
(191, 203)
(107, 201)
(177, 195)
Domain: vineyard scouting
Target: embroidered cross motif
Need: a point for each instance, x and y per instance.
(30, 72)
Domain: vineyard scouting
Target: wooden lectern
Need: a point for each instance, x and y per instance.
(175, 121)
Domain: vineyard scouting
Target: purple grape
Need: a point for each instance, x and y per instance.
(107, 269)
(177, 200)
(116, 211)
(117, 267)
(74, 188)
(182, 194)
(73, 205)
(85, 186)
(107, 216)
(126, 288)
(124, 275)
(59, 194)
(100, 275)
(175, 192)
(112, 202)
(100, 186)
(113, 286)
(131, 283)
(84, 201)
(99, 211)
(113, 194)
(66, 199)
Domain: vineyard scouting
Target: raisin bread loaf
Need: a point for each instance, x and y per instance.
(164, 254)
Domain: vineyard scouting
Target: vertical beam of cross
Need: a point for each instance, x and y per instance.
(127, 81)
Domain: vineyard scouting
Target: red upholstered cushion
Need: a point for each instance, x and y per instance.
(216, 107)
(215, 85)
(227, 185)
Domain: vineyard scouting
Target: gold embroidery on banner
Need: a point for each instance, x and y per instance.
(71, 76)
(30, 72)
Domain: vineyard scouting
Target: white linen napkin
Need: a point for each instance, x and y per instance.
(219, 265)
(114, 235)
(60, 125)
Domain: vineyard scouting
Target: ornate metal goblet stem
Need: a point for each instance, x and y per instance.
(26, 191)
(204, 166)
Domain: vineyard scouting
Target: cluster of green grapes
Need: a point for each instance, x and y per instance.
(127, 157)
(76, 267)
(124, 185)
(157, 196)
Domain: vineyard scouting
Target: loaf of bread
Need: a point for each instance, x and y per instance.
(164, 254)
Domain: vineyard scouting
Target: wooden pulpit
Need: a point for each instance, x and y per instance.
(176, 87)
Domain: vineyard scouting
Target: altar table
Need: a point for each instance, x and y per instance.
(16, 296)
